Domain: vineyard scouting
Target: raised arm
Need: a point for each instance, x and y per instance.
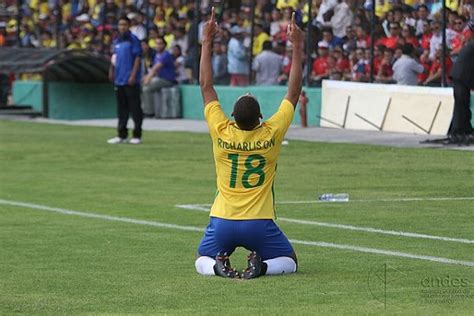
(205, 68)
(295, 81)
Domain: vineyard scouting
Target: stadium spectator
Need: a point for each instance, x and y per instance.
(287, 57)
(320, 69)
(126, 75)
(181, 40)
(238, 66)
(161, 75)
(179, 65)
(148, 55)
(437, 38)
(406, 69)
(426, 36)
(275, 25)
(425, 61)
(350, 40)
(341, 19)
(359, 66)
(325, 13)
(408, 36)
(392, 40)
(362, 39)
(138, 28)
(260, 37)
(329, 38)
(422, 14)
(267, 66)
(91, 25)
(342, 63)
(2, 35)
(435, 74)
(385, 70)
(460, 38)
(219, 64)
(408, 17)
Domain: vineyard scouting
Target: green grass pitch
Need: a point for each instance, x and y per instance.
(53, 263)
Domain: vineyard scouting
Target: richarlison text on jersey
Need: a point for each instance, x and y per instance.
(246, 146)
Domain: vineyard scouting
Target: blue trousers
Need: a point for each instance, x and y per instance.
(260, 235)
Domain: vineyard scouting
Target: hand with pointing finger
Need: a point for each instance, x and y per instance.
(294, 34)
(210, 28)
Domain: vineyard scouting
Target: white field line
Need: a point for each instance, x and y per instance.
(199, 229)
(414, 199)
(100, 216)
(382, 252)
(202, 208)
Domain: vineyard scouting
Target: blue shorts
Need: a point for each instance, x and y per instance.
(260, 235)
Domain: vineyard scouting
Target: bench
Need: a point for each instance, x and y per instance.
(168, 103)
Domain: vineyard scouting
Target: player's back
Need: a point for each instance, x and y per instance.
(246, 163)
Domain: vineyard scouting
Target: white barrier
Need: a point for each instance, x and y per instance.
(384, 107)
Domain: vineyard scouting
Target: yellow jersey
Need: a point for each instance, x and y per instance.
(258, 43)
(246, 163)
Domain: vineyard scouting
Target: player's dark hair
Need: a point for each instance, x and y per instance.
(246, 112)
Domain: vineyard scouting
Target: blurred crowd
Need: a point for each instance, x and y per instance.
(340, 37)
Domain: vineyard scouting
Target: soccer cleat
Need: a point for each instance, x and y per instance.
(222, 267)
(135, 141)
(117, 140)
(256, 267)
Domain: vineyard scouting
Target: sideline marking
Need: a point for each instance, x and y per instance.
(198, 229)
(202, 208)
(413, 199)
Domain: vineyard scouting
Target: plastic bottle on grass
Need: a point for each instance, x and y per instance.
(330, 197)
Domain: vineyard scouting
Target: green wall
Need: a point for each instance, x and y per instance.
(73, 101)
(28, 92)
(68, 101)
(269, 98)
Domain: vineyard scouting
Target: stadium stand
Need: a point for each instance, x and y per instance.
(343, 26)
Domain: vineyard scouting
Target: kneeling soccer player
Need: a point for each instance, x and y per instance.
(246, 153)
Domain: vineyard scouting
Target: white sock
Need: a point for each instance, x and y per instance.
(280, 265)
(205, 265)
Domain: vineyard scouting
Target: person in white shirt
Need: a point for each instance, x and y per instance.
(341, 19)
(267, 66)
(137, 28)
(437, 38)
(406, 69)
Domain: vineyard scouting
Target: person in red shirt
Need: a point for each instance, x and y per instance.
(362, 39)
(408, 35)
(378, 57)
(393, 39)
(426, 36)
(320, 68)
(459, 40)
(434, 78)
(385, 71)
(342, 63)
(426, 63)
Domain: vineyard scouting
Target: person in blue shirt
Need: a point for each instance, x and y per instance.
(237, 63)
(162, 75)
(125, 73)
